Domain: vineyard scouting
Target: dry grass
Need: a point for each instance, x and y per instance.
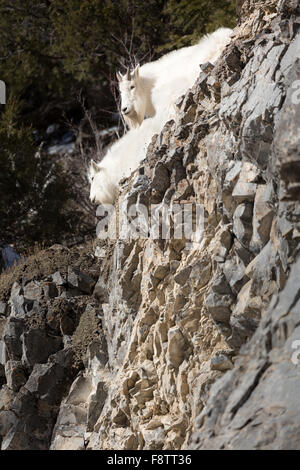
(40, 263)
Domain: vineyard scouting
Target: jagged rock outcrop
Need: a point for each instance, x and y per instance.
(46, 321)
(255, 406)
(183, 342)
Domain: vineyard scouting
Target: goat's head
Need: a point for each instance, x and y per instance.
(102, 191)
(130, 91)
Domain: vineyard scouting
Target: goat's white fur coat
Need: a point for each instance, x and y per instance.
(121, 159)
(155, 86)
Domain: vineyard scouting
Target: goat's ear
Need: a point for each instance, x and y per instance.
(119, 76)
(135, 72)
(127, 74)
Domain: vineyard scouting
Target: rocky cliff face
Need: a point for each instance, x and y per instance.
(163, 344)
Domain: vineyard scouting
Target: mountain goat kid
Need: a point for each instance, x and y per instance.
(157, 85)
(121, 159)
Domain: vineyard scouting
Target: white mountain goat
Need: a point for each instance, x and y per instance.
(121, 159)
(157, 85)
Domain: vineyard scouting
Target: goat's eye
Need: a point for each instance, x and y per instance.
(132, 87)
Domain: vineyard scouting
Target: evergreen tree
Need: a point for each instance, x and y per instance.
(191, 19)
(33, 189)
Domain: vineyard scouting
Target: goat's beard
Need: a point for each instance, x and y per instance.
(133, 120)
